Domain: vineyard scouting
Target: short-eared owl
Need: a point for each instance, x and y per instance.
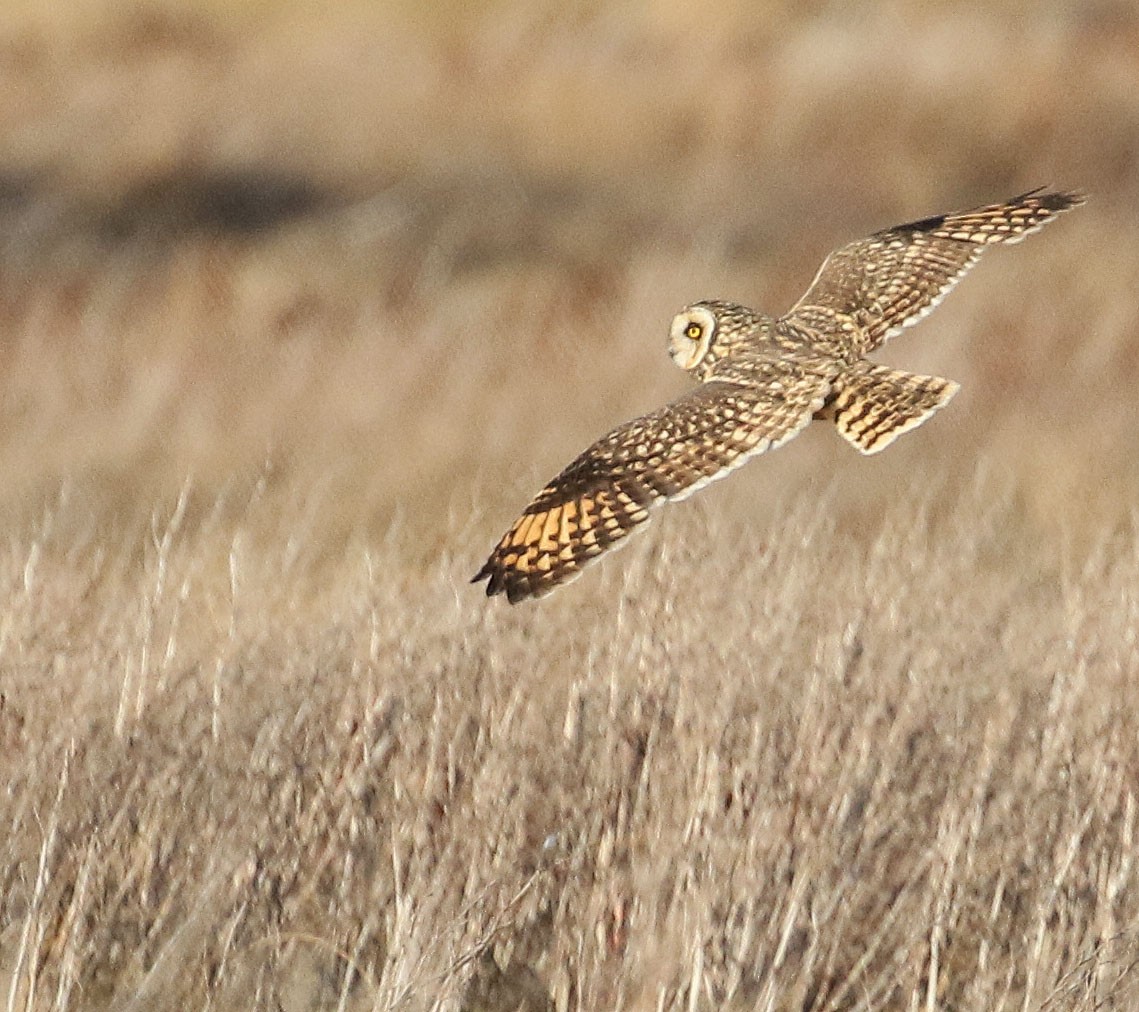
(761, 381)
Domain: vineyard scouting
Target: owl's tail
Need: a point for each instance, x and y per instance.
(872, 404)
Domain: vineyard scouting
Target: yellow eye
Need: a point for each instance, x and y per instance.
(694, 331)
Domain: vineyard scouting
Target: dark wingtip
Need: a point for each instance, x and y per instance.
(496, 582)
(515, 587)
(485, 573)
(1050, 200)
(1073, 198)
(1053, 200)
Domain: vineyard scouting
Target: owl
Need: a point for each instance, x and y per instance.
(760, 381)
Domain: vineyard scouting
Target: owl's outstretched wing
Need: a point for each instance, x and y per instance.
(872, 288)
(610, 489)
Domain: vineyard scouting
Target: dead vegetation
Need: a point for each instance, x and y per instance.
(297, 309)
(715, 781)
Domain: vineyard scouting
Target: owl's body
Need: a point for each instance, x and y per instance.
(761, 381)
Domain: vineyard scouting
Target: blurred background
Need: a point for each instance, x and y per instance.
(405, 260)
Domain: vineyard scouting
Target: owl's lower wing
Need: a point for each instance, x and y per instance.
(874, 287)
(610, 489)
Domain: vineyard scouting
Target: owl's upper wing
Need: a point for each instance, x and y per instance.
(874, 287)
(609, 490)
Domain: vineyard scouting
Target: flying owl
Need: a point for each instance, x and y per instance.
(761, 380)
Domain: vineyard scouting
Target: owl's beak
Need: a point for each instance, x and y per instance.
(685, 352)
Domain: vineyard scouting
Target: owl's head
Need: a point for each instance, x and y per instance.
(705, 332)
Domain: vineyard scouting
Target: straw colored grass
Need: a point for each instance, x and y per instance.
(750, 768)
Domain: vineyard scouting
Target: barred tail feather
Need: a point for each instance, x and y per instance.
(874, 404)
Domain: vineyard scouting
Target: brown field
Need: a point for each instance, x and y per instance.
(300, 302)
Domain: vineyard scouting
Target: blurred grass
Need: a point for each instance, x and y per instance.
(299, 304)
(281, 234)
(754, 767)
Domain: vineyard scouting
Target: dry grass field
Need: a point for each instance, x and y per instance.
(299, 303)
